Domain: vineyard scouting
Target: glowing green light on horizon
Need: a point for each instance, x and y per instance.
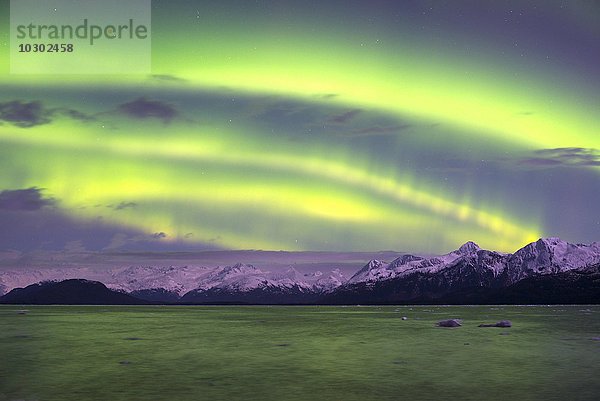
(133, 168)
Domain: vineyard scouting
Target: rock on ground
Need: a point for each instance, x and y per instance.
(450, 323)
(501, 323)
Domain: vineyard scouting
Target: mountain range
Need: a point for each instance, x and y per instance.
(546, 271)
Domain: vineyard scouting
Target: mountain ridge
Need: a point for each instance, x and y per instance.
(68, 292)
(407, 278)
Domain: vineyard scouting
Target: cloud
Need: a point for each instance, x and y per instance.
(569, 157)
(32, 222)
(142, 240)
(23, 199)
(125, 205)
(73, 114)
(379, 130)
(74, 246)
(155, 242)
(306, 120)
(142, 108)
(117, 241)
(540, 162)
(166, 78)
(344, 117)
(53, 229)
(24, 114)
(31, 114)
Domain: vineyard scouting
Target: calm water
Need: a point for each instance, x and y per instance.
(298, 353)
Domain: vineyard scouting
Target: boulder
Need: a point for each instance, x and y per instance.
(501, 323)
(450, 323)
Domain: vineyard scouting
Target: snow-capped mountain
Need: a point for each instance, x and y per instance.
(466, 270)
(176, 279)
(243, 277)
(545, 256)
(551, 256)
(407, 278)
(171, 282)
(330, 282)
(172, 279)
(406, 265)
(246, 283)
(10, 279)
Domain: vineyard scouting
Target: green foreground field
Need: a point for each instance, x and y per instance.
(179, 353)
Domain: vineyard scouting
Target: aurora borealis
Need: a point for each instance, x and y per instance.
(307, 125)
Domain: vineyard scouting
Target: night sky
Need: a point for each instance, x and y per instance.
(315, 125)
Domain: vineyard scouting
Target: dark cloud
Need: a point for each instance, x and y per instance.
(31, 114)
(377, 130)
(570, 157)
(23, 199)
(125, 205)
(540, 162)
(303, 121)
(73, 114)
(166, 78)
(288, 116)
(344, 117)
(154, 243)
(52, 229)
(142, 108)
(24, 114)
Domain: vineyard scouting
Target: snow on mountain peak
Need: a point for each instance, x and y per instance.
(545, 256)
(335, 279)
(375, 264)
(551, 255)
(468, 248)
(239, 268)
(374, 270)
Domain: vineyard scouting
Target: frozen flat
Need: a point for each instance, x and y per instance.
(57, 353)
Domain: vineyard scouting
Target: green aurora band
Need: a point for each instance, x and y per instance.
(236, 186)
